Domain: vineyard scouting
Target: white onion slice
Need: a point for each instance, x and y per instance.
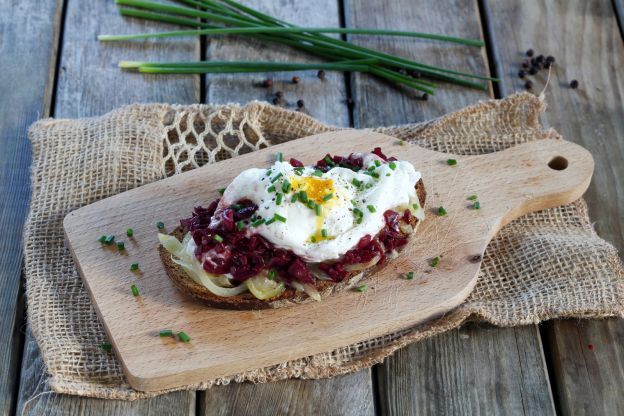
(362, 266)
(308, 289)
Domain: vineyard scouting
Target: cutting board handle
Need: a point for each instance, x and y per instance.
(533, 176)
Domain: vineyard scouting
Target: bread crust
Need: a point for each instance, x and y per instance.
(246, 301)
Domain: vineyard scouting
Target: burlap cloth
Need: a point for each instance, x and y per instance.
(545, 265)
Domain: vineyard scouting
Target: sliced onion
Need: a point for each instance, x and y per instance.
(405, 228)
(264, 288)
(362, 266)
(308, 289)
(171, 244)
(392, 255)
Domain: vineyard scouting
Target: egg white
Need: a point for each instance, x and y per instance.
(392, 189)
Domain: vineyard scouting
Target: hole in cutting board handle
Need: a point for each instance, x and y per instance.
(558, 163)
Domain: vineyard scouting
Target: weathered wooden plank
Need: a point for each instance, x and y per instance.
(472, 370)
(325, 100)
(345, 395)
(586, 41)
(432, 376)
(25, 71)
(89, 83)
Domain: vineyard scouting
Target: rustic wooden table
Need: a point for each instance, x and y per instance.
(52, 65)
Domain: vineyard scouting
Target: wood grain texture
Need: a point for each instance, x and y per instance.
(587, 43)
(377, 104)
(89, 83)
(503, 385)
(25, 97)
(519, 180)
(323, 99)
(343, 395)
(43, 402)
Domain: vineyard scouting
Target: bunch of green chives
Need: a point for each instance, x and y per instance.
(228, 17)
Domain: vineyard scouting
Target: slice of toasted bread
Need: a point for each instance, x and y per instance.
(246, 301)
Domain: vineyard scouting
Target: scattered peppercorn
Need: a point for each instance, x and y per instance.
(279, 94)
(276, 101)
(476, 258)
(521, 74)
(574, 84)
(550, 59)
(267, 83)
(300, 103)
(529, 52)
(533, 70)
(525, 64)
(295, 80)
(320, 74)
(528, 85)
(425, 97)
(540, 58)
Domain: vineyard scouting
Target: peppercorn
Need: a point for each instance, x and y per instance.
(279, 94)
(528, 85)
(540, 66)
(521, 74)
(540, 58)
(529, 52)
(533, 62)
(574, 84)
(525, 64)
(547, 65)
(550, 59)
(425, 97)
(533, 70)
(295, 80)
(267, 83)
(320, 74)
(276, 101)
(300, 103)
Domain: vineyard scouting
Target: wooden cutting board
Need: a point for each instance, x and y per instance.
(526, 178)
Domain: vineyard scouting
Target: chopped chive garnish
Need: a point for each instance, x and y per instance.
(279, 218)
(369, 186)
(377, 163)
(402, 143)
(451, 162)
(328, 160)
(165, 333)
(278, 199)
(134, 267)
(102, 239)
(357, 212)
(280, 157)
(311, 204)
(295, 198)
(371, 168)
(271, 221)
(240, 225)
(324, 233)
(218, 238)
(268, 172)
(358, 221)
(375, 175)
(120, 245)
(371, 208)
(221, 190)
(183, 337)
(109, 240)
(106, 346)
(327, 197)
(409, 275)
(356, 183)
(298, 171)
(160, 225)
(129, 232)
(318, 209)
(135, 290)
(317, 172)
(472, 198)
(271, 188)
(387, 174)
(435, 261)
(441, 211)
(286, 187)
(313, 239)
(392, 165)
(236, 207)
(362, 288)
(271, 274)
(303, 196)
(276, 177)
(367, 173)
(476, 205)
(415, 206)
(257, 223)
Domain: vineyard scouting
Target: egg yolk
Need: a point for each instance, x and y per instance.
(316, 189)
